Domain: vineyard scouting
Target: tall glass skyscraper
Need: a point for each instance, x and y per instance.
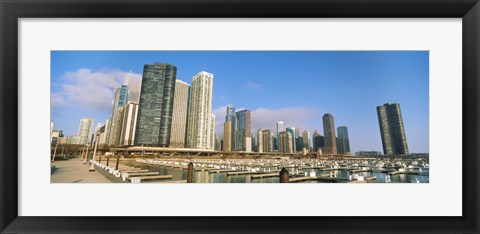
(394, 140)
(243, 132)
(344, 142)
(155, 110)
(329, 133)
(291, 130)
(120, 98)
(201, 121)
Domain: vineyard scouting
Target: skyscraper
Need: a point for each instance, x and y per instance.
(291, 130)
(299, 143)
(265, 140)
(217, 143)
(103, 136)
(243, 132)
(116, 127)
(260, 141)
(200, 130)
(181, 100)
(280, 128)
(306, 140)
(344, 142)
(229, 129)
(285, 142)
(394, 140)
(227, 136)
(231, 117)
(298, 133)
(156, 105)
(329, 133)
(120, 98)
(84, 130)
(211, 138)
(340, 146)
(315, 143)
(127, 133)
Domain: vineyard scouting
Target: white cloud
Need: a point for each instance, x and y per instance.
(267, 118)
(134, 82)
(93, 90)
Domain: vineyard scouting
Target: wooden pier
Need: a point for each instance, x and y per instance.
(159, 177)
(142, 174)
(264, 176)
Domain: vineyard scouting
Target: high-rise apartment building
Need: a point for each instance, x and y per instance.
(116, 127)
(181, 101)
(227, 136)
(231, 117)
(265, 140)
(155, 109)
(200, 127)
(343, 144)
(243, 131)
(218, 145)
(103, 136)
(211, 139)
(291, 130)
(120, 98)
(299, 143)
(329, 133)
(129, 124)
(229, 129)
(84, 131)
(306, 140)
(285, 142)
(394, 140)
(280, 128)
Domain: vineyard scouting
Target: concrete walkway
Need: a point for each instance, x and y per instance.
(74, 171)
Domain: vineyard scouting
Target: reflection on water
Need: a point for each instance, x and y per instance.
(206, 177)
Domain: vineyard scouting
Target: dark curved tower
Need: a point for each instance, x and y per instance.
(394, 140)
(154, 119)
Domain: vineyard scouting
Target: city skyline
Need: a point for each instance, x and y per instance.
(268, 110)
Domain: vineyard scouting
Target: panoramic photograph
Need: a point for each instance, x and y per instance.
(239, 117)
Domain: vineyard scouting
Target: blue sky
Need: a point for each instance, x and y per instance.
(297, 87)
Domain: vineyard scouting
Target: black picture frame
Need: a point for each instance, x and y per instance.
(11, 11)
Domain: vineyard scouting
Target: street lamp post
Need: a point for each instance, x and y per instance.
(86, 156)
(81, 155)
(54, 152)
(92, 167)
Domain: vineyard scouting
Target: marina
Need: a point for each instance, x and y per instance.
(351, 170)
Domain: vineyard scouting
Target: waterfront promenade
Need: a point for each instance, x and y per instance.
(74, 171)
